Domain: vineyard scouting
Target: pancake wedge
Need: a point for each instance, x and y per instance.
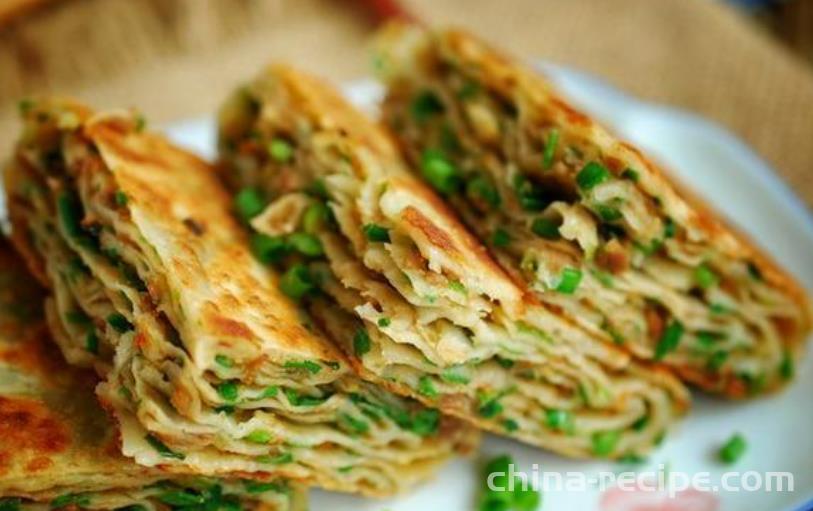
(207, 367)
(57, 447)
(378, 261)
(586, 220)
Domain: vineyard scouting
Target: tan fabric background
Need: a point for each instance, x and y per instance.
(178, 58)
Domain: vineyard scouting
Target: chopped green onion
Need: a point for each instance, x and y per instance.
(786, 367)
(356, 426)
(283, 458)
(545, 228)
(280, 150)
(70, 215)
(268, 249)
(228, 390)
(453, 375)
(592, 175)
(140, 123)
(500, 238)
(120, 198)
(226, 409)
(296, 282)
(733, 449)
(119, 323)
(458, 286)
(270, 391)
(708, 338)
(754, 271)
(92, 342)
(510, 425)
(569, 281)
(669, 228)
(181, 498)
(426, 387)
(717, 360)
(439, 172)
(10, 503)
(162, 448)
(297, 399)
(425, 422)
(705, 277)
(608, 213)
(490, 408)
(480, 189)
(249, 202)
(306, 365)
(314, 217)
(306, 244)
(669, 339)
(550, 148)
(560, 420)
(604, 442)
(255, 487)
(384, 322)
(641, 423)
(631, 174)
(605, 278)
(468, 90)
(425, 105)
(361, 342)
(317, 188)
(376, 233)
(531, 196)
(259, 436)
(224, 361)
(719, 308)
(25, 105)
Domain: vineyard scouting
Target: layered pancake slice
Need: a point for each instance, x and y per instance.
(207, 367)
(588, 222)
(377, 260)
(57, 447)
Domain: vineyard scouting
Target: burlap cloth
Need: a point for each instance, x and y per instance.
(177, 58)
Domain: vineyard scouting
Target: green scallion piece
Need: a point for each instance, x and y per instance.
(119, 323)
(426, 387)
(608, 213)
(280, 150)
(550, 149)
(569, 281)
(228, 390)
(604, 442)
(453, 375)
(560, 420)
(510, 425)
(356, 426)
(314, 217)
(248, 203)
(296, 282)
(224, 361)
(425, 105)
(439, 172)
(717, 360)
(669, 339)
(468, 90)
(361, 342)
(669, 228)
(77, 500)
(500, 238)
(307, 365)
(705, 277)
(631, 174)
(425, 422)
(306, 244)
(531, 196)
(592, 175)
(787, 368)
(297, 399)
(181, 498)
(479, 189)
(120, 198)
(162, 448)
(384, 322)
(268, 249)
(259, 436)
(733, 449)
(545, 228)
(376, 233)
(92, 342)
(490, 409)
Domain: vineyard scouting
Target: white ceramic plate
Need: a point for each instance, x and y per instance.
(778, 429)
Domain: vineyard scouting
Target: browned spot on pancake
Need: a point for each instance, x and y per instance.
(613, 258)
(229, 327)
(39, 463)
(181, 399)
(26, 424)
(786, 327)
(141, 340)
(573, 115)
(654, 322)
(614, 164)
(433, 233)
(5, 462)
